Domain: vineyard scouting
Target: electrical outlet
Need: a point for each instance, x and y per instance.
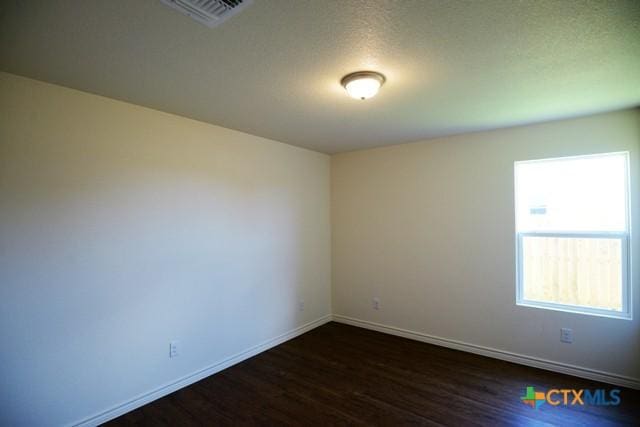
(566, 335)
(174, 349)
(376, 303)
(301, 305)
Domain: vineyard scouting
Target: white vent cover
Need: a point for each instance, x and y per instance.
(208, 12)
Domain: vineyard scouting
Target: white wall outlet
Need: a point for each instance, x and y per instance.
(174, 349)
(376, 303)
(300, 305)
(566, 335)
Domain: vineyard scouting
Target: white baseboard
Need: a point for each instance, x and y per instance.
(521, 359)
(535, 362)
(143, 399)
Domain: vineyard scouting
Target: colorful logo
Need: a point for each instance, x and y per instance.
(571, 396)
(533, 398)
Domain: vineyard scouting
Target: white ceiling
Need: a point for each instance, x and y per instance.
(274, 69)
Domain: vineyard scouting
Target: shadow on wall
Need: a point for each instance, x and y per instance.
(123, 229)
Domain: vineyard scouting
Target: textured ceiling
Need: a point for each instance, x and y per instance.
(274, 69)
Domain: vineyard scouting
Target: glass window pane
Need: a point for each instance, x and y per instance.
(573, 271)
(572, 194)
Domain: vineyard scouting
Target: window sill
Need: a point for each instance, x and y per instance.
(576, 310)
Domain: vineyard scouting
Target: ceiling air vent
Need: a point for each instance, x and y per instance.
(208, 12)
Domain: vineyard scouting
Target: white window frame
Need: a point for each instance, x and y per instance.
(625, 245)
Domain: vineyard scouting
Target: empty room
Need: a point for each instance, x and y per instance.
(319, 212)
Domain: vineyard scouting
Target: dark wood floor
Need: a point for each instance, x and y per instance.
(342, 375)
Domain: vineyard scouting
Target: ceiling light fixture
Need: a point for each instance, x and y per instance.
(363, 84)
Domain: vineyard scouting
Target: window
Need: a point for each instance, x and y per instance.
(572, 234)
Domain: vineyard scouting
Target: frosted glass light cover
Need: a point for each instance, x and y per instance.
(363, 88)
(363, 84)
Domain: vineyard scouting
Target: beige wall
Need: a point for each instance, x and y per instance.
(123, 228)
(428, 228)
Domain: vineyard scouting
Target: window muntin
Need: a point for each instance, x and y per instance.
(572, 234)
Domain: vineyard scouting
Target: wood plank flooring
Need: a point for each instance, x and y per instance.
(343, 375)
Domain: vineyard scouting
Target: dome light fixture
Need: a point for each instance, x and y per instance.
(363, 84)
